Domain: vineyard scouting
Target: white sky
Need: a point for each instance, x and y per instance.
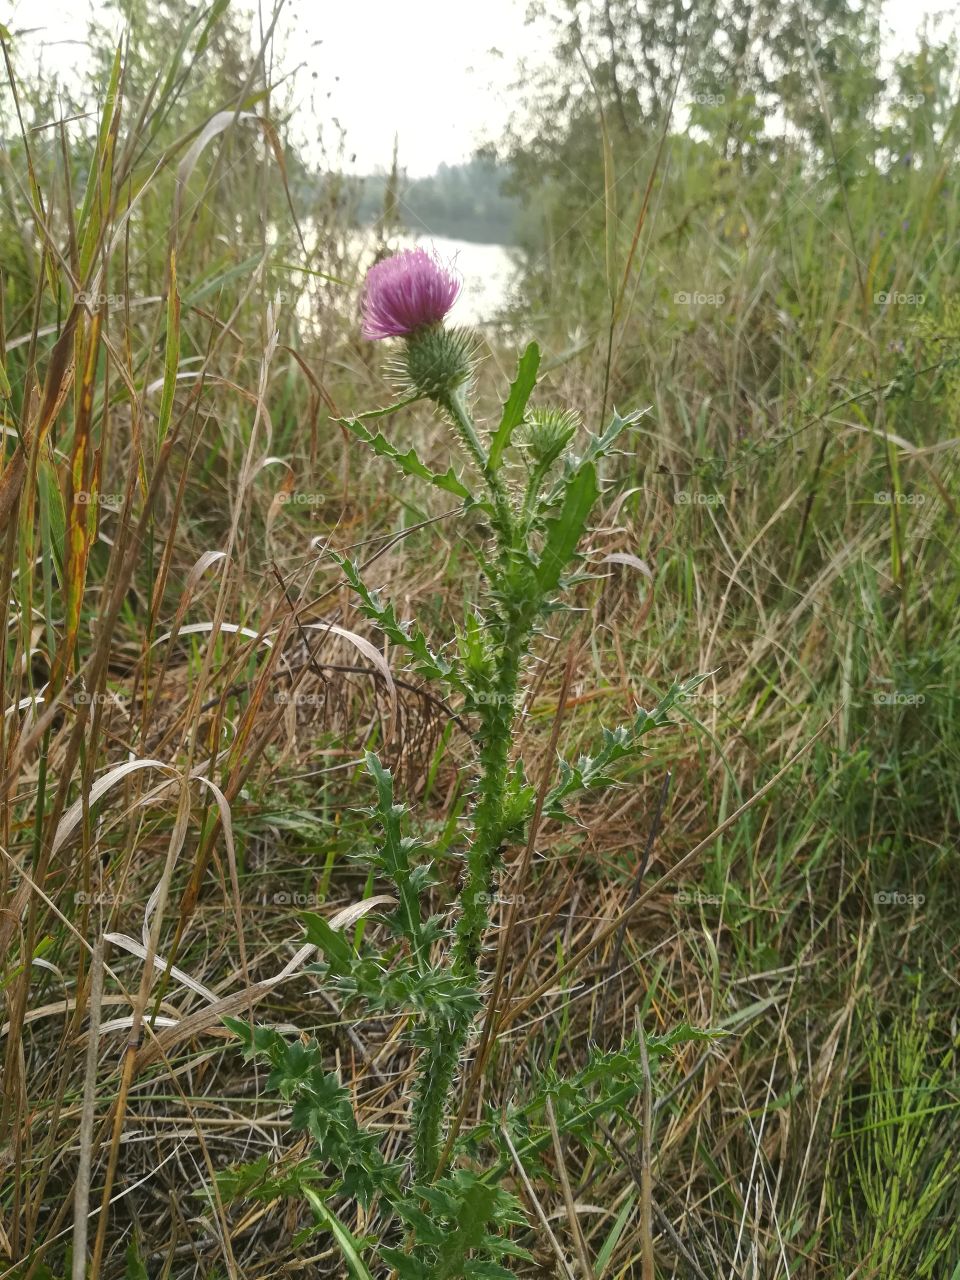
(435, 72)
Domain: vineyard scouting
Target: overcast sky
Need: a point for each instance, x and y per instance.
(435, 72)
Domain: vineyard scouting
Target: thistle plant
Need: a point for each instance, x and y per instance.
(533, 483)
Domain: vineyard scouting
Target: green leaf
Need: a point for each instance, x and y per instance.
(257, 1041)
(51, 501)
(331, 943)
(214, 282)
(591, 772)
(378, 413)
(135, 1268)
(515, 407)
(323, 1109)
(409, 463)
(346, 1242)
(453, 1233)
(393, 857)
(406, 1267)
(599, 446)
(613, 1239)
(605, 1087)
(96, 194)
(424, 662)
(171, 355)
(242, 1179)
(217, 9)
(565, 529)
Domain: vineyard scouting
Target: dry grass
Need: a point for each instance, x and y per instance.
(188, 693)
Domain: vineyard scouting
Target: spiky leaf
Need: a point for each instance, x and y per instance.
(515, 407)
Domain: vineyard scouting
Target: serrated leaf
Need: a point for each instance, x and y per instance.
(256, 1040)
(410, 462)
(482, 1269)
(599, 446)
(565, 529)
(393, 856)
(607, 1085)
(515, 407)
(591, 772)
(241, 1179)
(405, 636)
(370, 414)
(406, 1267)
(459, 1232)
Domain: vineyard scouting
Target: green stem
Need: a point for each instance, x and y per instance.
(435, 1072)
(485, 852)
(466, 429)
(446, 1037)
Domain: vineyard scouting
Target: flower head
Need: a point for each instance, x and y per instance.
(407, 292)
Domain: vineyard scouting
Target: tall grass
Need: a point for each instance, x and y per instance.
(183, 732)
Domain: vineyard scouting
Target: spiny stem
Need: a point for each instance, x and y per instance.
(436, 1069)
(465, 428)
(439, 1061)
(484, 853)
(446, 1037)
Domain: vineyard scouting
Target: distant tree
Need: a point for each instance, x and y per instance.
(462, 201)
(757, 80)
(641, 55)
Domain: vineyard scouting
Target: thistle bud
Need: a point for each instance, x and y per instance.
(408, 296)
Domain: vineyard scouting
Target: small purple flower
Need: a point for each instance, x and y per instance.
(406, 292)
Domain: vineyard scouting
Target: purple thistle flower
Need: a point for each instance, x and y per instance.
(406, 292)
